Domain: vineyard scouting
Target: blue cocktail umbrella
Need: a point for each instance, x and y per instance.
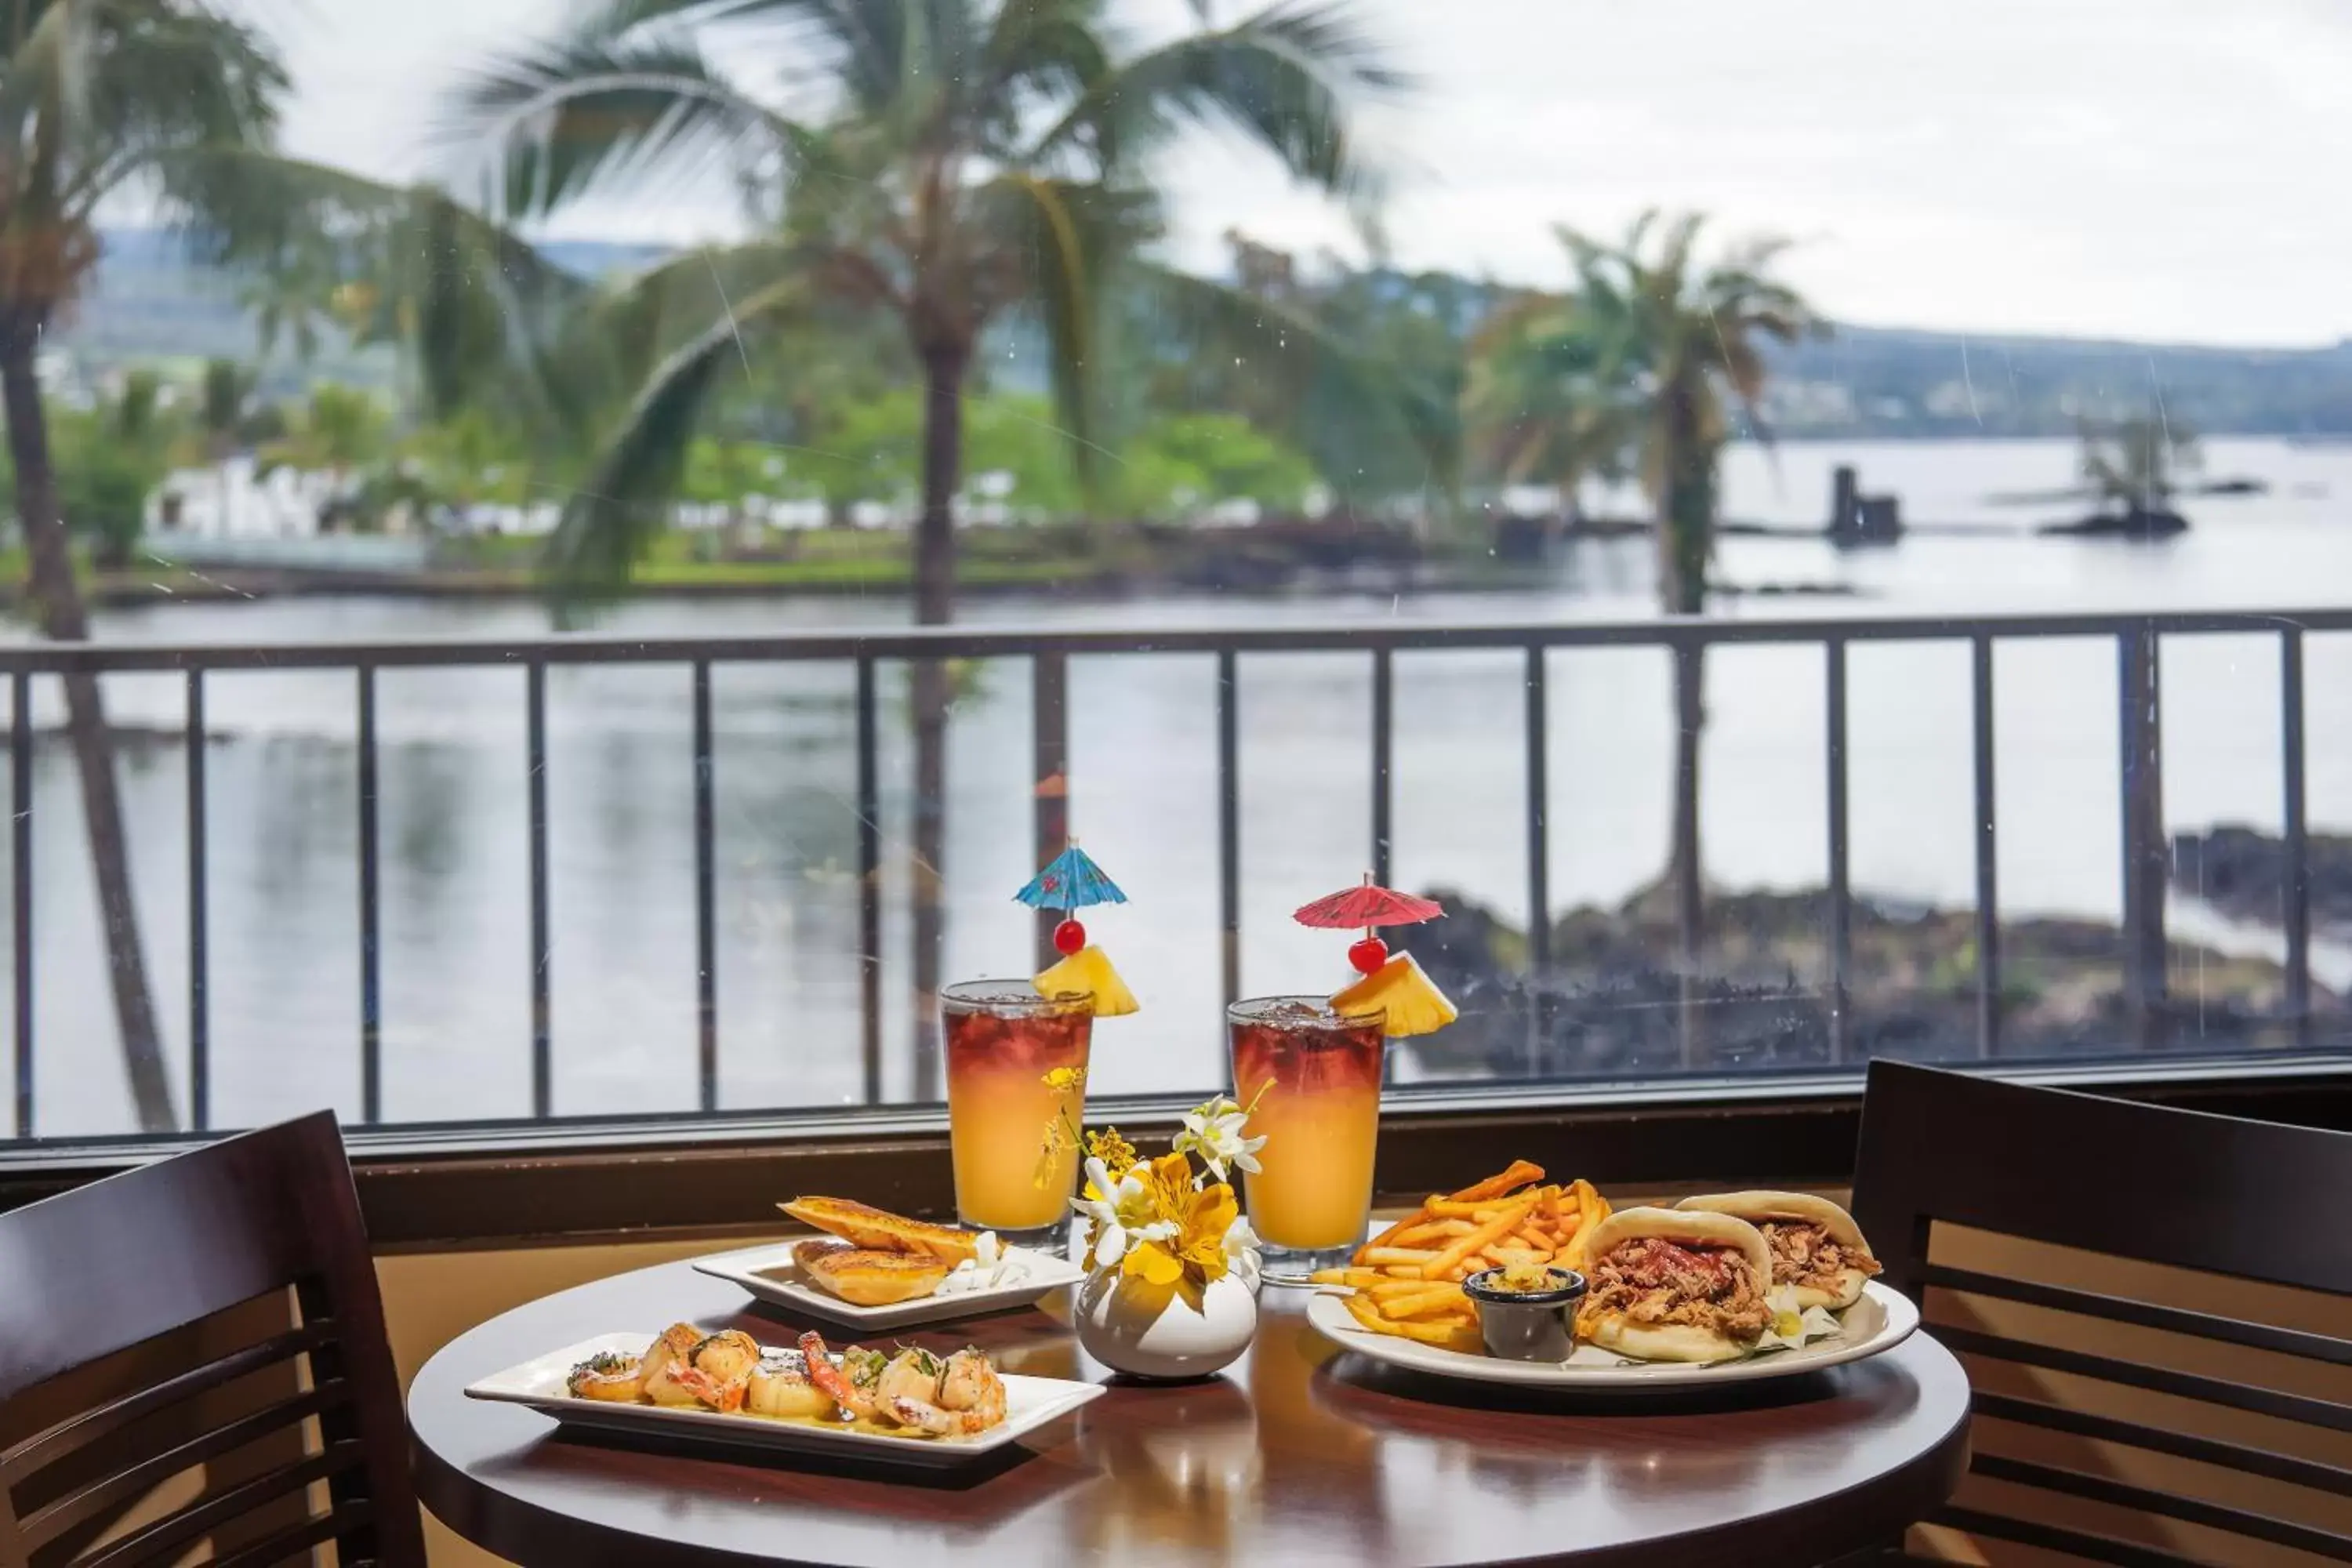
(1072, 882)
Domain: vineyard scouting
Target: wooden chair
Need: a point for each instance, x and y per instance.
(2125, 1409)
(195, 1352)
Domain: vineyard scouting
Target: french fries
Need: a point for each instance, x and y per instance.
(1407, 1280)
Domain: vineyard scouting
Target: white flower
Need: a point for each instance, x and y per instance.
(1123, 1216)
(1241, 1250)
(1214, 1131)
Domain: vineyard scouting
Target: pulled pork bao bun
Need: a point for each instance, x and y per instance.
(1817, 1250)
(1675, 1285)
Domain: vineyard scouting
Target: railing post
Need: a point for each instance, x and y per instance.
(1840, 933)
(371, 916)
(1538, 743)
(543, 1052)
(1383, 756)
(200, 1074)
(2297, 893)
(20, 801)
(1229, 829)
(869, 883)
(1687, 874)
(2147, 855)
(1049, 710)
(1988, 838)
(1383, 789)
(705, 895)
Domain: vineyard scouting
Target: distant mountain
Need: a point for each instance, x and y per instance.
(150, 304)
(1891, 381)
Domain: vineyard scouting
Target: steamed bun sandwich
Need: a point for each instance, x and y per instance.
(1817, 1250)
(1675, 1285)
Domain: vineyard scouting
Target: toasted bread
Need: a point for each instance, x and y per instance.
(877, 1230)
(865, 1278)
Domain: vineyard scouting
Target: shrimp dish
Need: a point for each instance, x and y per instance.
(911, 1393)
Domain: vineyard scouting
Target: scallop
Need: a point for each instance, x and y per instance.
(779, 1386)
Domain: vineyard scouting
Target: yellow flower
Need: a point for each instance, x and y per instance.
(1061, 1080)
(1115, 1152)
(1200, 1235)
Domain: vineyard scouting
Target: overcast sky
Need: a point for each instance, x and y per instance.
(2165, 169)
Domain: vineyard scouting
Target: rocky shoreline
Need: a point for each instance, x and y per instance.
(2243, 874)
(1610, 1004)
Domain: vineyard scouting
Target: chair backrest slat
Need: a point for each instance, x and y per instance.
(2110, 1271)
(2249, 1397)
(2179, 1187)
(186, 1352)
(2086, 1545)
(2242, 1457)
(2149, 1499)
(47, 1448)
(2144, 1314)
(127, 1485)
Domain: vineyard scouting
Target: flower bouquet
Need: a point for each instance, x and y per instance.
(1171, 1265)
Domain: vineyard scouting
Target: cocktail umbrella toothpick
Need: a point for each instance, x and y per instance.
(1367, 905)
(1072, 881)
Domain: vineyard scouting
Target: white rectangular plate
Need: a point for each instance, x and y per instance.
(1882, 1320)
(769, 1273)
(1029, 1404)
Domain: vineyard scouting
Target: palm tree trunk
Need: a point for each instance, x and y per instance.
(944, 373)
(63, 619)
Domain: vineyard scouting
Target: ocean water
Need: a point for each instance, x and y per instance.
(284, 910)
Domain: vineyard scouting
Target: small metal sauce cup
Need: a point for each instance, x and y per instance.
(1523, 1325)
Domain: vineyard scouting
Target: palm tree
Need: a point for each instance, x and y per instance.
(1646, 357)
(2132, 463)
(94, 99)
(967, 161)
(176, 103)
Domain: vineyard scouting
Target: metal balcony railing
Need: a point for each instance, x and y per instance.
(2137, 640)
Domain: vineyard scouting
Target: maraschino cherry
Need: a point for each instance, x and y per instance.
(1368, 955)
(1068, 937)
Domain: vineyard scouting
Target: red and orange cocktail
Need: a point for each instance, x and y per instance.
(1016, 1098)
(1313, 1077)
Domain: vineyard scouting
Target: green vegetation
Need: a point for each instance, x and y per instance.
(2131, 462)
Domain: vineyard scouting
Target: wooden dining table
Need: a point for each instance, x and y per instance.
(1300, 1453)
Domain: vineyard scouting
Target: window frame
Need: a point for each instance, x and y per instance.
(575, 1182)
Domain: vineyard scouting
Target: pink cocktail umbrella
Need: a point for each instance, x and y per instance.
(1367, 906)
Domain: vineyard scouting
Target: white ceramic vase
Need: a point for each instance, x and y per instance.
(1131, 1331)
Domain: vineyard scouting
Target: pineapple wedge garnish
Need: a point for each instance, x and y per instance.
(1407, 1000)
(1088, 971)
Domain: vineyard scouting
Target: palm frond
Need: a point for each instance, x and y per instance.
(1321, 383)
(1285, 77)
(1060, 246)
(625, 500)
(1052, 49)
(592, 113)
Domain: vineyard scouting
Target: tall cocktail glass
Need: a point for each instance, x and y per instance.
(1314, 1078)
(1016, 1100)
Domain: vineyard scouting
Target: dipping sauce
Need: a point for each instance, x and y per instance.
(1524, 1310)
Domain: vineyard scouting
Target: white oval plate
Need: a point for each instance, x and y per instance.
(1882, 1320)
(769, 1273)
(1029, 1404)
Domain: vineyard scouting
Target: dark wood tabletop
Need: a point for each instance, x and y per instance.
(1301, 1453)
